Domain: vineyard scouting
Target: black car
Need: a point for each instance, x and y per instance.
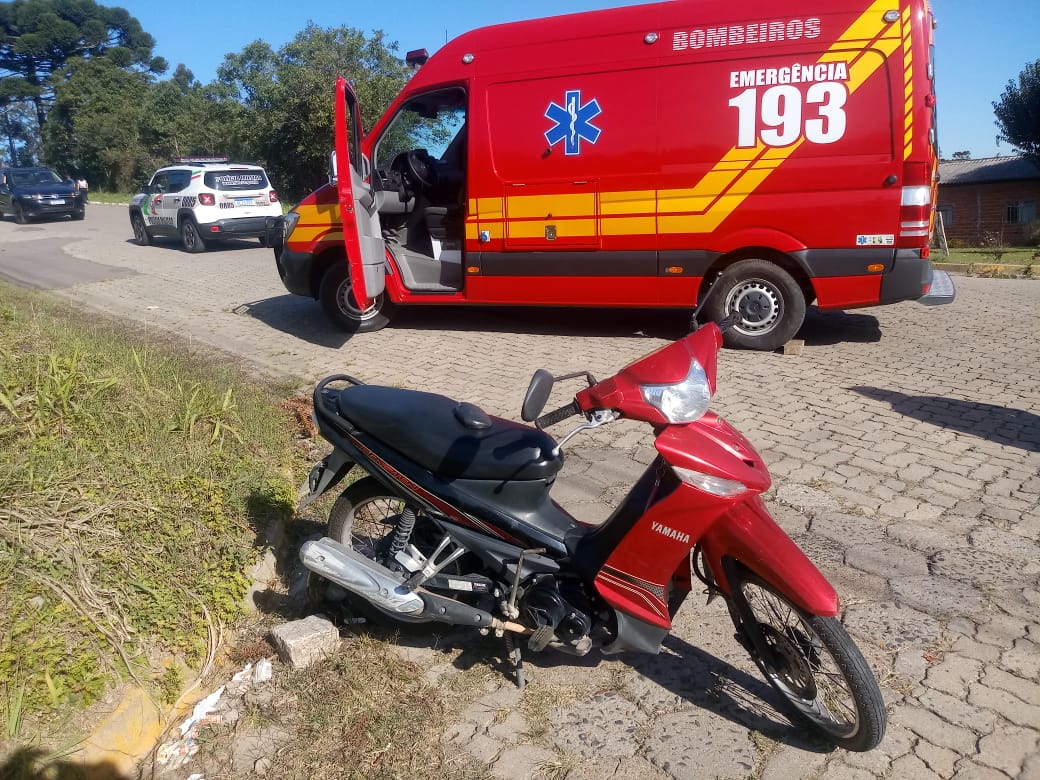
(38, 192)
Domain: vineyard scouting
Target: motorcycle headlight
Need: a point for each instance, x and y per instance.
(684, 401)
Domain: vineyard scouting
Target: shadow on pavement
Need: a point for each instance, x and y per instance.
(296, 316)
(824, 328)
(1000, 424)
(302, 317)
(212, 246)
(688, 672)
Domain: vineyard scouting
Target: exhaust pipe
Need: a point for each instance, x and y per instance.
(382, 588)
(361, 576)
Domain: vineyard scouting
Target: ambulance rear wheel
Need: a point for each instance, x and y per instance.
(337, 300)
(769, 302)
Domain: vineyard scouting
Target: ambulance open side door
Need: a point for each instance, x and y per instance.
(362, 235)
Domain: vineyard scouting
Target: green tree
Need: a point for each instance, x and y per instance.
(38, 38)
(181, 117)
(1018, 111)
(962, 155)
(288, 97)
(94, 127)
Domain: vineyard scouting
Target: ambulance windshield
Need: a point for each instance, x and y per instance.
(431, 121)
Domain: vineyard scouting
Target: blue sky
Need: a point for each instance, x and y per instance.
(979, 46)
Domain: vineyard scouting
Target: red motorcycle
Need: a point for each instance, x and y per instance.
(451, 521)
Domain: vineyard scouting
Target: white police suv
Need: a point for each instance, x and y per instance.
(204, 199)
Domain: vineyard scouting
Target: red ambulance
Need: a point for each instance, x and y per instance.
(781, 153)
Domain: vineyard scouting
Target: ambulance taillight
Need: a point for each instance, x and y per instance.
(915, 208)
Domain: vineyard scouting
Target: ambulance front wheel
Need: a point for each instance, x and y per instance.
(337, 300)
(769, 302)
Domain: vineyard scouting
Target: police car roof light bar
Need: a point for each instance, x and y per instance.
(202, 160)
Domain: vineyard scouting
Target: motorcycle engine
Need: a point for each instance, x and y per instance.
(543, 606)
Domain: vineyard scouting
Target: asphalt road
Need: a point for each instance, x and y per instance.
(904, 443)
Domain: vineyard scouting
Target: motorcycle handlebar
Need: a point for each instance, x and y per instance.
(559, 415)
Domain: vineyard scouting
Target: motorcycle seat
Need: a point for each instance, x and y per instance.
(448, 438)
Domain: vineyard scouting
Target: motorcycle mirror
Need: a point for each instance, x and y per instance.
(537, 395)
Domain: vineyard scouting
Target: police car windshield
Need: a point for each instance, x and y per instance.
(252, 179)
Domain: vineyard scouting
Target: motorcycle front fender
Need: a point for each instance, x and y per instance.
(325, 475)
(746, 534)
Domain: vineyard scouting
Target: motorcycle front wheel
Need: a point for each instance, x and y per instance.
(814, 664)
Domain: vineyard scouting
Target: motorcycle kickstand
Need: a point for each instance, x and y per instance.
(514, 656)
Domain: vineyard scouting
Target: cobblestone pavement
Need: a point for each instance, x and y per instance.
(904, 443)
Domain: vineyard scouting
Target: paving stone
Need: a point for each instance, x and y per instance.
(898, 741)
(301, 643)
(787, 761)
(848, 529)
(1008, 748)
(956, 710)
(634, 768)
(970, 770)
(913, 768)
(483, 748)
(1007, 544)
(1001, 630)
(721, 748)
(939, 760)
(895, 627)
(1027, 690)
(1005, 704)
(887, 560)
(838, 770)
(931, 727)
(806, 499)
(954, 674)
(607, 725)
(937, 595)
(525, 762)
(510, 729)
(1023, 659)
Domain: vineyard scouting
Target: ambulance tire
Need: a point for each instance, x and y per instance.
(770, 302)
(339, 305)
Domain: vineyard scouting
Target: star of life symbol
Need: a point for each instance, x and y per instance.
(573, 122)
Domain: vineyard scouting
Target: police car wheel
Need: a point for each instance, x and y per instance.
(141, 237)
(191, 238)
(337, 301)
(767, 298)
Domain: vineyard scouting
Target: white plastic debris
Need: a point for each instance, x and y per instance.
(245, 674)
(202, 709)
(263, 671)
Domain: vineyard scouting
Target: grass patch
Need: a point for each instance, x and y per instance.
(364, 713)
(134, 481)
(990, 255)
(109, 197)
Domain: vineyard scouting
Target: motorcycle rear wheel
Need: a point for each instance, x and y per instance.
(365, 517)
(814, 664)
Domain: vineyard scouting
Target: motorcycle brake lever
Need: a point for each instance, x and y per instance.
(596, 419)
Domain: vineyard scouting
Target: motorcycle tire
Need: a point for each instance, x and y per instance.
(816, 667)
(365, 517)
